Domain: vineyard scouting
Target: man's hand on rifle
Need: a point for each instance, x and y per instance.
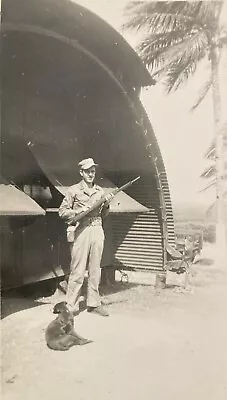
(108, 199)
(84, 208)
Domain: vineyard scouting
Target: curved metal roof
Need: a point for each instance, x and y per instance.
(81, 27)
(68, 100)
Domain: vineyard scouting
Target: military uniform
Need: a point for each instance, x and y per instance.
(87, 239)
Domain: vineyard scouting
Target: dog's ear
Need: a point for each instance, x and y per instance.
(59, 307)
(56, 309)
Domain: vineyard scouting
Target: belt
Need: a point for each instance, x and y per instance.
(92, 221)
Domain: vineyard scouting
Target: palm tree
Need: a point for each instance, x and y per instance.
(210, 171)
(179, 35)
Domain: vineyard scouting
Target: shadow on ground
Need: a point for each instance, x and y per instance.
(25, 297)
(117, 287)
(34, 295)
(13, 302)
(204, 261)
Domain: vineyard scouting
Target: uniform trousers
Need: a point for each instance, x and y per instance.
(86, 253)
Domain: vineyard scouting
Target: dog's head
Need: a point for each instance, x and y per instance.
(60, 307)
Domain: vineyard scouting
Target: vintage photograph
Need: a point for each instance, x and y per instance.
(113, 200)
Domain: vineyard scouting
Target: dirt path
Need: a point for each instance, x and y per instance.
(171, 345)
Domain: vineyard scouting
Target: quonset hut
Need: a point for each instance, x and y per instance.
(70, 90)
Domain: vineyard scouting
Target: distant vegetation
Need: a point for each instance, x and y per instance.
(208, 229)
(192, 217)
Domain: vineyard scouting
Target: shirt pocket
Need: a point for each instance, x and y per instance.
(80, 199)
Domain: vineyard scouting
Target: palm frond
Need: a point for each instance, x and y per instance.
(211, 184)
(132, 4)
(178, 36)
(213, 207)
(209, 172)
(202, 94)
(179, 74)
(205, 89)
(157, 22)
(204, 12)
(179, 61)
(172, 14)
(210, 208)
(179, 50)
(210, 154)
(156, 16)
(160, 48)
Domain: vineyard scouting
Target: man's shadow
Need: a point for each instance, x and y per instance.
(25, 297)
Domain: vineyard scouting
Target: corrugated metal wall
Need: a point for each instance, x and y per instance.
(140, 241)
(137, 239)
(168, 209)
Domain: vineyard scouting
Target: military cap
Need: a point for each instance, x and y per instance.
(87, 163)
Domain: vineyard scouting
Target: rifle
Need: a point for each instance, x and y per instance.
(103, 199)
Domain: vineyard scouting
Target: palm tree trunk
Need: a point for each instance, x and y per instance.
(220, 226)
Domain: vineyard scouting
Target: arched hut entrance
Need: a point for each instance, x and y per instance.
(70, 91)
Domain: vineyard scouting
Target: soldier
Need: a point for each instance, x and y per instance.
(86, 237)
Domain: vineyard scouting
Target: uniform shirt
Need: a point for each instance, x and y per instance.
(78, 198)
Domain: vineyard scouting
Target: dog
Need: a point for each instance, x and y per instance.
(60, 334)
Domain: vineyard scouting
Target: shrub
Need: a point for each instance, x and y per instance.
(207, 230)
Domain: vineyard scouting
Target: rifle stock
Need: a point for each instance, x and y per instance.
(103, 199)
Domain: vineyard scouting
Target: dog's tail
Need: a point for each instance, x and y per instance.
(82, 341)
(58, 347)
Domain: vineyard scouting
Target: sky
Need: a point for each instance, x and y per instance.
(183, 136)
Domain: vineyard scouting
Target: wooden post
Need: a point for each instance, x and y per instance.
(160, 282)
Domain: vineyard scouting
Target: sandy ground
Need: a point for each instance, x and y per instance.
(162, 345)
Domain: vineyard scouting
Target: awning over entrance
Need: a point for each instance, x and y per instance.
(121, 203)
(15, 202)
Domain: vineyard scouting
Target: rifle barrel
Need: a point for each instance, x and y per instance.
(127, 184)
(102, 200)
